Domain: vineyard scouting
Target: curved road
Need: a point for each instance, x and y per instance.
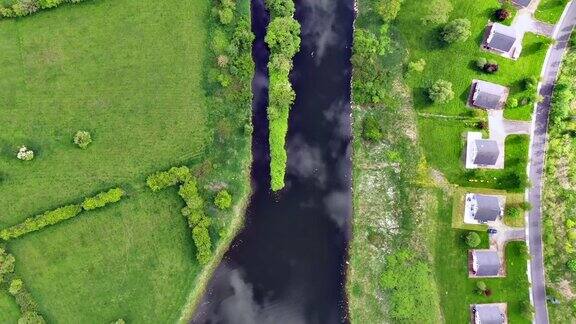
(537, 157)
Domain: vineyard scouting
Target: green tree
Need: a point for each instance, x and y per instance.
(571, 264)
(438, 12)
(473, 239)
(223, 200)
(280, 8)
(283, 36)
(456, 31)
(481, 286)
(15, 286)
(441, 91)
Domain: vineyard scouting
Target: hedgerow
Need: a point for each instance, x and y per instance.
(194, 210)
(102, 199)
(21, 8)
(283, 39)
(16, 287)
(57, 215)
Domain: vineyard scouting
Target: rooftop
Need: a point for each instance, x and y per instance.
(488, 208)
(488, 95)
(486, 263)
(501, 37)
(489, 314)
(487, 152)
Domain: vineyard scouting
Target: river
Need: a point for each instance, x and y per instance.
(288, 264)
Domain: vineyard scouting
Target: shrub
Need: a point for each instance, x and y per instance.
(15, 286)
(481, 62)
(513, 212)
(25, 154)
(371, 130)
(473, 239)
(441, 91)
(223, 200)
(438, 12)
(502, 14)
(481, 286)
(388, 9)
(491, 67)
(456, 31)
(24, 7)
(571, 264)
(512, 103)
(7, 262)
(49, 3)
(226, 15)
(164, 179)
(82, 139)
(531, 83)
(417, 66)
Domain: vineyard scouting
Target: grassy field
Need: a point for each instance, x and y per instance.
(456, 62)
(457, 291)
(135, 78)
(550, 10)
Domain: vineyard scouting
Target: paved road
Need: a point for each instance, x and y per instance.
(538, 150)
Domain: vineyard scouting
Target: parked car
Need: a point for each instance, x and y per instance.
(492, 231)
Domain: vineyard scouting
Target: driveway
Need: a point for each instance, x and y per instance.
(536, 166)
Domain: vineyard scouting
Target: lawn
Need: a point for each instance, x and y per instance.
(135, 77)
(444, 146)
(456, 63)
(550, 10)
(457, 291)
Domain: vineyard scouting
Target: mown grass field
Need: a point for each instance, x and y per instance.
(550, 10)
(132, 74)
(457, 291)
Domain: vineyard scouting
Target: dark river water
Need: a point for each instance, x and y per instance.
(288, 264)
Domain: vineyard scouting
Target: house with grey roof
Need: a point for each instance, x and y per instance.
(522, 3)
(504, 40)
(489, 313)
(488, 95)
(483, 208)
(484, 263)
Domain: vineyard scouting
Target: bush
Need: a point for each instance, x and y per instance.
(203, 244)
(417, 66)
(7, 262)
(25, 154)
(571, 264)
(502, 14)
(388, 9)
(223, 200)
(481, 62)
(82, 139)
(31, 318)
(512, 103)
(513, 212)
(491, 67)
(371, 130)
(102, 199)
(164, 179)
(531, 83)
(481, 286)
(441, 91)
(456, 31)
(473, 239)
(15, 286)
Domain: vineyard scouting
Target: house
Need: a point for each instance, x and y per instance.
(522, 3)
(485, 152)
(489, 314)
(484, 208)
(485, 263)
(488, 95)
(504, 40)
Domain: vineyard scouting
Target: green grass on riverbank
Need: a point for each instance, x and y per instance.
(139, 81)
